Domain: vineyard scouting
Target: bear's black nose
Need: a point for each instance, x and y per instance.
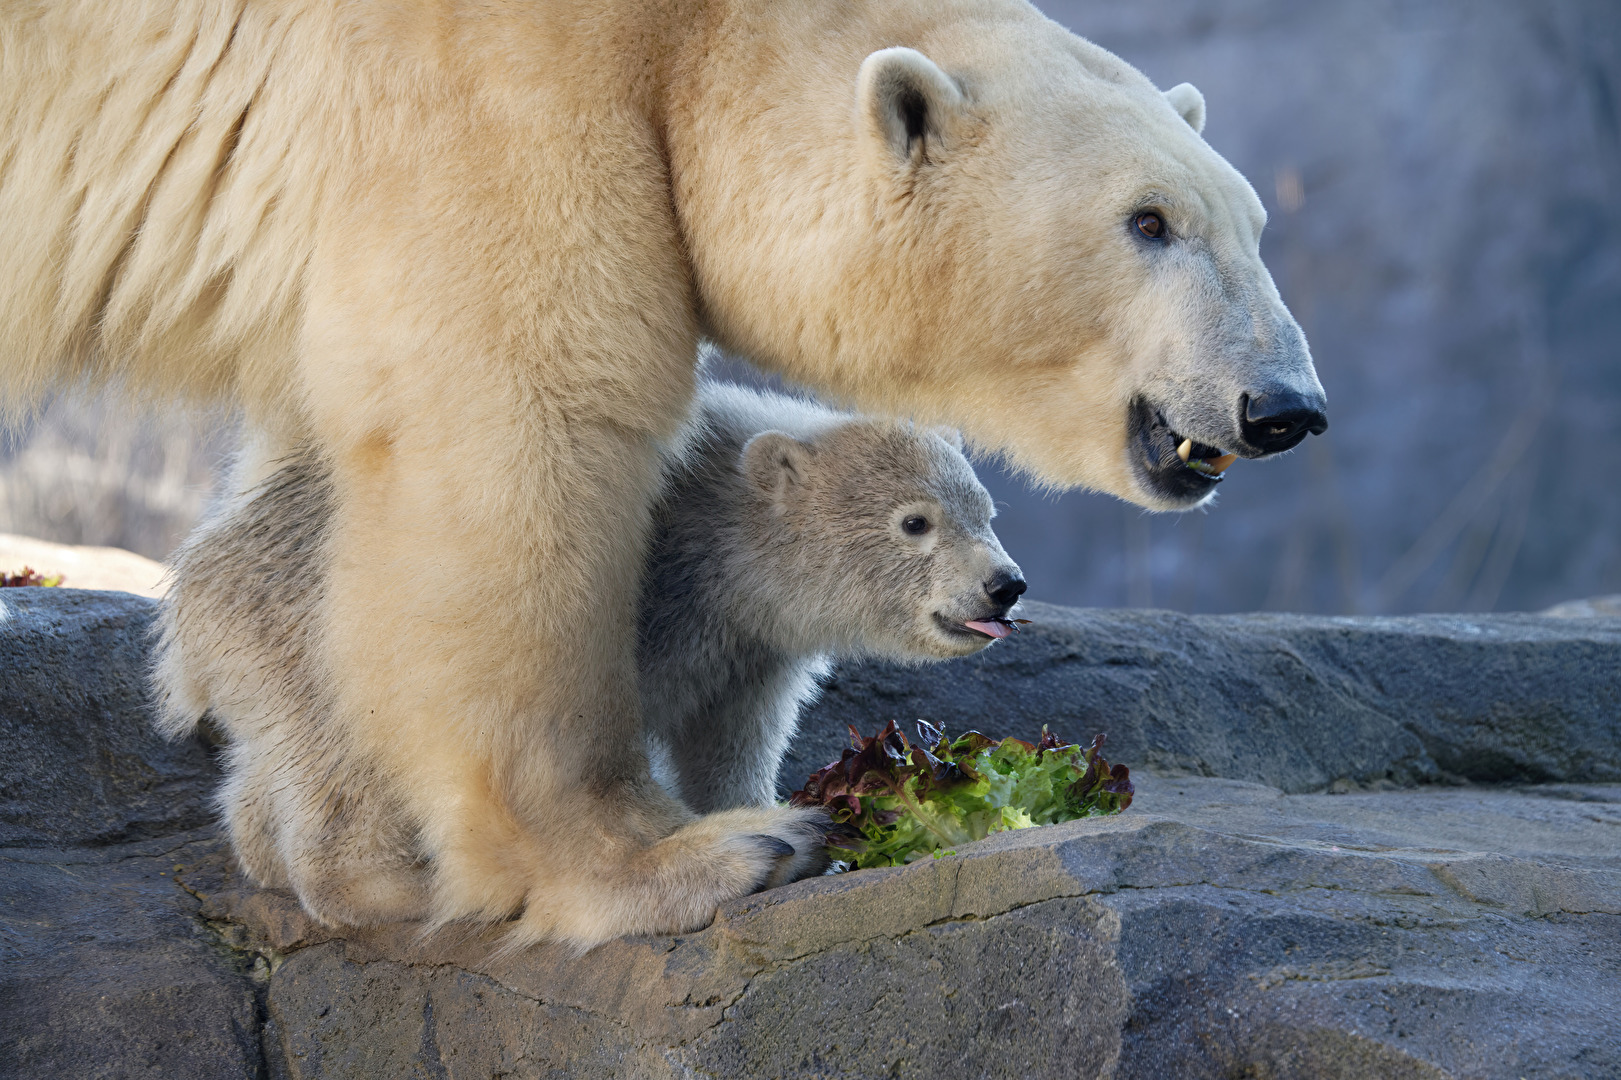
(1005, 589)
(1276, 420)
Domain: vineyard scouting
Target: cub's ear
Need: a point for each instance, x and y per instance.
(950, 435)
(1188, 103)
(906, 103)
(777, 465)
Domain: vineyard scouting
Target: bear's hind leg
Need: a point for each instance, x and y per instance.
(307, 816)
(360, 871)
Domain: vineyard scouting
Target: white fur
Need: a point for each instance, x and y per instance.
(1188, 103)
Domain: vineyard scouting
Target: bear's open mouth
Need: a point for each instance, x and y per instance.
(1172, 465)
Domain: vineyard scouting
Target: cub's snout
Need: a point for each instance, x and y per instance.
(1003, 591)
(978, 615)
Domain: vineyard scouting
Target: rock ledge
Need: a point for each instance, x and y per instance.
(1246, 925)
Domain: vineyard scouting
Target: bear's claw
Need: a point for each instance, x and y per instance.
(777, 847)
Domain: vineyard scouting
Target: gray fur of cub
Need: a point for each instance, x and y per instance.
(780, 543)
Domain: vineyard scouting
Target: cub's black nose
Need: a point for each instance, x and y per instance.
(1277, 420)
(1005, 589)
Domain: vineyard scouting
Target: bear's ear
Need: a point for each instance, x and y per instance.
(1188, 103)
(906, 102)
(778, 465)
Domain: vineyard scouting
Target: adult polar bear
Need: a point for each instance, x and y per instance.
(466, 251)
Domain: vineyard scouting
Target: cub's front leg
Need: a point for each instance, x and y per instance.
(726, 736)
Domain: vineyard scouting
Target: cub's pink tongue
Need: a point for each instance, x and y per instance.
(994, 629)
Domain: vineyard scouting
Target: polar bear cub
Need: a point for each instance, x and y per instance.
(787, 535)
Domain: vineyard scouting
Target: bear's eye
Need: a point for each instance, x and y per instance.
(1151, 225)
(917, 525)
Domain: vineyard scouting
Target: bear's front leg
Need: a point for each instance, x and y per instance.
(499, 328)
(479, 627)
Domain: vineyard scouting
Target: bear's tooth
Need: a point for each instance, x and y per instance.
(1185, 450)
(1218, 465)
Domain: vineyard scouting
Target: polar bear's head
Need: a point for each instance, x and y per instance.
(960, 212)
(874, 537)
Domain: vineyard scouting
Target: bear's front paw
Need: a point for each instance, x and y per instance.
(749, 849)
(675, 885)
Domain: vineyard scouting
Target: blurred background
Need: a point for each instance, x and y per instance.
(1444, 185)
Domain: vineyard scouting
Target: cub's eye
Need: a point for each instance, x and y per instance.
(1151, 225)
(916, 525)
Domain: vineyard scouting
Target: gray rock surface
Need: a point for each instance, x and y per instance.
(1220, 928)
(1234, 931)
(81, 764)
(1299, 702)
(106, 967)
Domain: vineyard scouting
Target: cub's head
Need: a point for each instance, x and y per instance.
(877, 537)
(955, 210)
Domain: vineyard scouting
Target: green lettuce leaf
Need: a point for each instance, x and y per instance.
(893, 801)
